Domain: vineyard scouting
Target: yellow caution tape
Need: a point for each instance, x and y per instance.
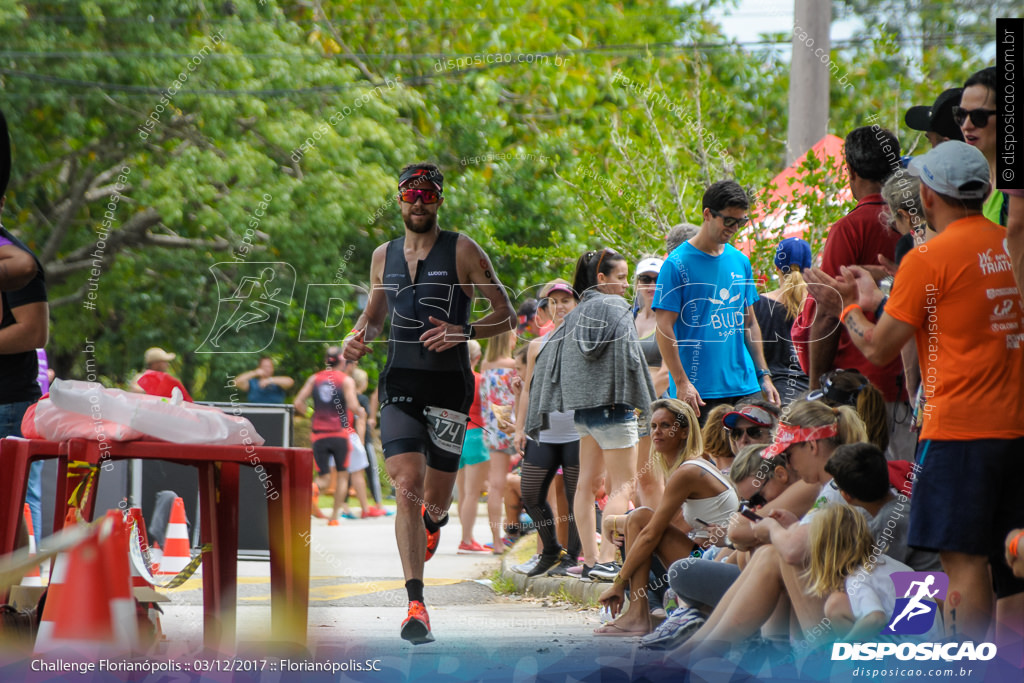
(78, 468)
(186, 573)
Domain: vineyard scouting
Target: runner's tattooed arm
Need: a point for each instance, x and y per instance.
(475, 272)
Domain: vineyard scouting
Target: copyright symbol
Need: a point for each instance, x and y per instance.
(1008, 174)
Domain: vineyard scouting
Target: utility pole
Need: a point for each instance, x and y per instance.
(808, 76)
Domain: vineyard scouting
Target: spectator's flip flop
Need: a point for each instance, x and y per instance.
(611, 629)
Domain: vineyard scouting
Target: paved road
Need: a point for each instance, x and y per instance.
(358, 601)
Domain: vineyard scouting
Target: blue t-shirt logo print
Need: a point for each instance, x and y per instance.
(915, 611)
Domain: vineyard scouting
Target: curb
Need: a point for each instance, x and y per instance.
(541, 586)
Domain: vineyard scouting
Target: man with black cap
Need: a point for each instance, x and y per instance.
(24, 327)
(957, 296)
(425, 280)
(936, 121)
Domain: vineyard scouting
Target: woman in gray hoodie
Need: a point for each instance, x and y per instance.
(592, 365)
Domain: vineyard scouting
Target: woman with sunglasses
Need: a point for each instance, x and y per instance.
(750, 422)
(649, 486)
(694, 486)
(592, 364)
(976, 117)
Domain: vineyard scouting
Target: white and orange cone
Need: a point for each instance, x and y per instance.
(33, 578)
(176, 547)
(92, 610)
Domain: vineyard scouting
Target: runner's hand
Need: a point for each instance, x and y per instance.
(443, 336)
(355, 348)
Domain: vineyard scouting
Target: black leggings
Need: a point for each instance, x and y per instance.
(540, 464)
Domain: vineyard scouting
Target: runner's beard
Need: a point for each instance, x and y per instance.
(421, 228)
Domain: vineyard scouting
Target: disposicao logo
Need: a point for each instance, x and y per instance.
(915, 611)
(914, 614)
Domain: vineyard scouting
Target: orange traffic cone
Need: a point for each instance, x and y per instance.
(176, 547)
(156, 554)
(33, 578)
(94, 611)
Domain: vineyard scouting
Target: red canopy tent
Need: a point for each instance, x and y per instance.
(788, 186)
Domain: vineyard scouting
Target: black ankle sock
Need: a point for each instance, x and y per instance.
(414, 587)
(431, 525)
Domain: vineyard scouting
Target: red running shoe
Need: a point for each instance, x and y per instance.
(433, 539)
(416, 627)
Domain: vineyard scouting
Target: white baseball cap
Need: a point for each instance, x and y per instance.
(649, 265)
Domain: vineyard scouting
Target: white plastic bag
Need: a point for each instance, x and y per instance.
(170, 419)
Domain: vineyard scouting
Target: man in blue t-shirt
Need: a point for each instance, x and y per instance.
(709, 337)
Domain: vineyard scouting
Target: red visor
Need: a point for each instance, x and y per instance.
(787, 435)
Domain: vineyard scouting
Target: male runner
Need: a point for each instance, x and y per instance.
(425, 281)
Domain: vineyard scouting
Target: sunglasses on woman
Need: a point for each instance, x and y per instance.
(428, 196)
(647, 279)
(979, 117)
(736, 433)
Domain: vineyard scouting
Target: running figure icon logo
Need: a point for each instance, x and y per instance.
(915, 612)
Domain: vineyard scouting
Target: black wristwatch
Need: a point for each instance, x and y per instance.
(881, 308)
(469, 331)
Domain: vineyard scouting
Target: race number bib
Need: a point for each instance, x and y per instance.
(447, 428)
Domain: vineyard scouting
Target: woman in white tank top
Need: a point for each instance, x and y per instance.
(694, 486)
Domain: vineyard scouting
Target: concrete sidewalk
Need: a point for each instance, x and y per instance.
(583, 592)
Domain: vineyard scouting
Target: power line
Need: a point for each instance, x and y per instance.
(669, 47)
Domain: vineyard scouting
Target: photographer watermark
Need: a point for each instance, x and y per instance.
(165, 98)
(102, 233)
(340, 115)
(255, 218)
(479, 60)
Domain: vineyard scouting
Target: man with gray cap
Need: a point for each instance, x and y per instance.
(957, 296)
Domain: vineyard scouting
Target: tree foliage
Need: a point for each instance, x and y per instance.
(560, 126)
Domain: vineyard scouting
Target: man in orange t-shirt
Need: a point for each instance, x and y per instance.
(957, 296)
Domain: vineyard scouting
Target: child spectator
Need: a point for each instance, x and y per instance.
(862, 475)
(857, 586)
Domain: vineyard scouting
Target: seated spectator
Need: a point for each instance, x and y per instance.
(855, 582)
(851, 388)
(862, 475)
(716, 440)
(693, 484)
(808, 434)
(759, 482)
(750, 422)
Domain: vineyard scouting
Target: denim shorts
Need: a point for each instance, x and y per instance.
(611, 426)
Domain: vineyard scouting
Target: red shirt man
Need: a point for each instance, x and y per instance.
(155, 381)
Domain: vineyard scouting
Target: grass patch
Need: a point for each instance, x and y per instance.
(501, 585)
